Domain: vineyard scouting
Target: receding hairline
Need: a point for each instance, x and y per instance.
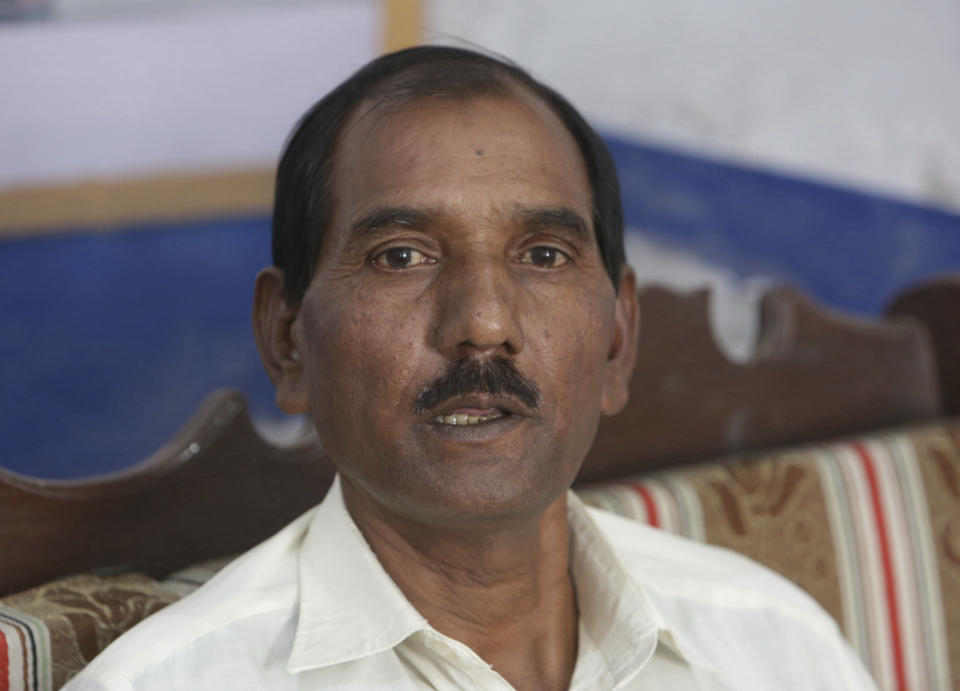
(511, 90)
(380, 113)
(401, 91)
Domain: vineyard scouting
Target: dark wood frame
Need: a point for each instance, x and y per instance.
(215, 489)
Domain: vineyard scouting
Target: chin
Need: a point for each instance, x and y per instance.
(476, 491)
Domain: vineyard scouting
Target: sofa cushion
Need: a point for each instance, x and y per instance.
(870, 527)
(49, 633)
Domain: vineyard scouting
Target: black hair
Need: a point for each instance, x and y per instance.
(303, 197)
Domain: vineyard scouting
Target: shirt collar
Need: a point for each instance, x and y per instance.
(615, 606)
(350, 607)
(615, 612)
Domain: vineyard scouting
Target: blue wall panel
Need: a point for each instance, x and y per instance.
(109, 341)
(846, 248)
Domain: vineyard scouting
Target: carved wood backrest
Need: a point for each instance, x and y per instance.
(936, 304)
(815, 374)
(217, 488)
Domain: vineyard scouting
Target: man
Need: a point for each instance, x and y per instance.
(451, 306)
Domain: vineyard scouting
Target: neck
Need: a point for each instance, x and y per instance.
(506, 592)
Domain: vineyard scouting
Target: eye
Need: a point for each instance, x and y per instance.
(401, 258)
(544, 257)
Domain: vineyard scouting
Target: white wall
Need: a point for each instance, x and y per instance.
(184, 89)
(860, 92)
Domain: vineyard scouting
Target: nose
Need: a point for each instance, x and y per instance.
(477, 309)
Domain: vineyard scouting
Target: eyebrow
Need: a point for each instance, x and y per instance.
(534, 218)
(391, 216)
(556, 217)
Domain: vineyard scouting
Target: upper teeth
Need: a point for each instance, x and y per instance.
(464, 419)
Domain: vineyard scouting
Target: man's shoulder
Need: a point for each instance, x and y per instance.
(731, 613)
(257, 592)
(683, 570)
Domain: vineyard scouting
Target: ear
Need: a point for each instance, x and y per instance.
(276, 331)
(623, 347)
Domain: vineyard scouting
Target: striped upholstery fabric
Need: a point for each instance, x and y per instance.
(25, 660)
(870, 527)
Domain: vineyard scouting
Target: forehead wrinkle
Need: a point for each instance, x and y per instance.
(397, 165)
(375, 116)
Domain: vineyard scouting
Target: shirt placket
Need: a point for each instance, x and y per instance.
(464, 664)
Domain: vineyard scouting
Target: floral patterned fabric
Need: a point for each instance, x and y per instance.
(49, 633)
(70, 620)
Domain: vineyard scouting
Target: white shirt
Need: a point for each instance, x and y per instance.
(312, 608)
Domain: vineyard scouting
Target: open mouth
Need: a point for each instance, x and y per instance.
(476, 410)
(469, 418)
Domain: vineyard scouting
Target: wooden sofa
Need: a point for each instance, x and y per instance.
(831, 456)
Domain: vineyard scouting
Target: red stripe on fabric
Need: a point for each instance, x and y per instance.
(4, 664)
(892, 605)
(648, 503)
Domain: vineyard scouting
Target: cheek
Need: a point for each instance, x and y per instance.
(360, 361)
(574, 354)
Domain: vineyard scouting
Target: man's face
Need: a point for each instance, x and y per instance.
(462, 230)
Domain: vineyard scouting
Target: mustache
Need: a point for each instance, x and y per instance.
(496, 376)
